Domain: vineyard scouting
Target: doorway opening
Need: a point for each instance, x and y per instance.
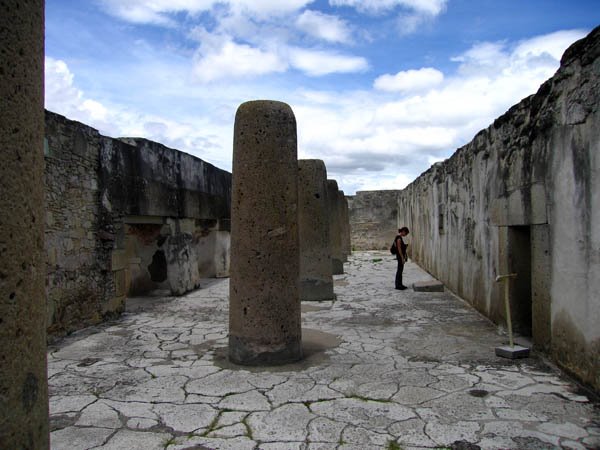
(519, 262)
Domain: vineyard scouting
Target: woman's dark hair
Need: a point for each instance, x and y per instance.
(403, 229)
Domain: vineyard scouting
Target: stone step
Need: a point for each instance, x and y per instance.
(428, 286)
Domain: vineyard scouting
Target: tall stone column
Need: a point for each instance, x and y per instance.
(335, 230)
(23, 384)
(343, 228)
(316, 282)
(346, 242)
(264, 305)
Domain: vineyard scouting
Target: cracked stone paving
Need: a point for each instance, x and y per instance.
(383, 369)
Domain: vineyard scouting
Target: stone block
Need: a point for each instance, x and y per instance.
(118, 260)
(428, 286)
(515, 352)
(120, 282)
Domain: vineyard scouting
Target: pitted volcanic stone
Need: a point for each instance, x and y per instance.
(264, 315)
(23, 383)
(335, 227)
(316, 282)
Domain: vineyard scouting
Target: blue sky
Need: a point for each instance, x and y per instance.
(381, 89)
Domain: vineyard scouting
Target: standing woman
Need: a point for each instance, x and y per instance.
(400, 256)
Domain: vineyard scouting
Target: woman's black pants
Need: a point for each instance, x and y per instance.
(399, 272)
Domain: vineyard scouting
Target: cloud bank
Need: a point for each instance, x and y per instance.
(377, 134)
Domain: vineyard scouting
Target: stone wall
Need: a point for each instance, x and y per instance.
(80, 285)
(373, 219)
(126, 217)
(523, 196)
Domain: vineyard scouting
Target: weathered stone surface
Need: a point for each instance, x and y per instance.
(414, 368)
(186, 418)
(316, 281)
(373, 219)
(126, 217)
(136, 439)
(285, 423)
(428, 286)
(99, 415)
(335, 228)
(346, 229)
(264, 305)
(75, 438)
(23, 386)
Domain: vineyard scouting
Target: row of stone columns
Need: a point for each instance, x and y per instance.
(289, 227)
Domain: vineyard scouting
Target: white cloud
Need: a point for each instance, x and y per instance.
(324, 26)
(319, 62)
(159, 12)
(63, 96)
(412, 13)
(370, 139)
(204, 137)
(431, 7)
(219, 57)
(373, 140)
(233, 60)
(553, 44)
(409, 80)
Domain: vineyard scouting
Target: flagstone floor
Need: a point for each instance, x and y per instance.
(384, 369)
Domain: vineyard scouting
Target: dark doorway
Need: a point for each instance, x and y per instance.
(519, 262)
(158, 267)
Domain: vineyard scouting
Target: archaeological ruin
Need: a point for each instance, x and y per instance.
(89, 220)
(523, 196)
(126, 217)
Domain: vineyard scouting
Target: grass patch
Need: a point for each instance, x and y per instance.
(213, 425)
(248, 429)
(393, 445)
(376, 260)
(171, 441)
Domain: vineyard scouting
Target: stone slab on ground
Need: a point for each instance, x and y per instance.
(382, 366)
(514, 352)
(428, 286)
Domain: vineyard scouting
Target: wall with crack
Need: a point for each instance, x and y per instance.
(522, 196)
(126, 217)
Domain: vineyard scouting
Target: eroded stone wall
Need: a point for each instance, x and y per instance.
(522, 196)
(126, 217)
(80, 286)
(373, 219)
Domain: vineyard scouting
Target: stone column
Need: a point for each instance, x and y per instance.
(335, 231)
(346, 242)
(23, 384)
(264, 305)
(316, 283)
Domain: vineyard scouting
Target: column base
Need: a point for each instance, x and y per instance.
(247, 353)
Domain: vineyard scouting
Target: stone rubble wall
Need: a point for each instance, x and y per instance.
(373, 219)
(522, 196)
(80, 286)
(126, 217)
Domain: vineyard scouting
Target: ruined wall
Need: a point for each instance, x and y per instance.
(524, 196)
(373, 219)
(126, 217)
(80, 287)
